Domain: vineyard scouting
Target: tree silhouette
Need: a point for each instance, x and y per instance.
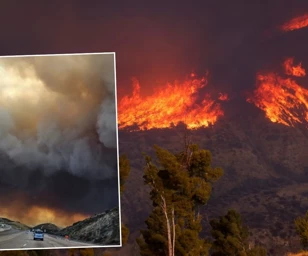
(180, 184)
(231, 237)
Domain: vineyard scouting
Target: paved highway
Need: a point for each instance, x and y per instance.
(18, 239)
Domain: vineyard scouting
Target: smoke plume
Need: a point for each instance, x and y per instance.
(57, 116)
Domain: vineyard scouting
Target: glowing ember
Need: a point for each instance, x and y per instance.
(223, 97)
(296, 23)
(283, 100)
(172, 104)
(290, 69)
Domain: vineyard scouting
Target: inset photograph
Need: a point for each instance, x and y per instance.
(59, 176)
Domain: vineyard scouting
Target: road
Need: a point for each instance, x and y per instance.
(19, 239)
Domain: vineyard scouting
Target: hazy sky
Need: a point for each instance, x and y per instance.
(155, 42)
(163, 40)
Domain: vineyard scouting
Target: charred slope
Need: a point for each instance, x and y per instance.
(266, 169)
(101, 229)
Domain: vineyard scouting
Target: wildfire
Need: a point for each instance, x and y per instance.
(283, 100)
(296, 23)
(38, 215)
(290, 69)
(223, 97)
(172, 104)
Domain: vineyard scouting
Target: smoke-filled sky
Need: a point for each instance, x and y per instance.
(163, 40)
(58, 148)
(157, 42)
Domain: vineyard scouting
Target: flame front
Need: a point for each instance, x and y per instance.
(296, 23)
(290, 69)
(172, 104)
(283, 100)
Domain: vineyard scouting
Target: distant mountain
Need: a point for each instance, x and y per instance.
(101, 229)
(49, 227)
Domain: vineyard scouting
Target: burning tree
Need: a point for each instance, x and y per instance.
(180, 184)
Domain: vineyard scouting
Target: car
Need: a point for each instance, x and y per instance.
(38, 235)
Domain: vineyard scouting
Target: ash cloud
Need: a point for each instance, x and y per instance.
(58, 121)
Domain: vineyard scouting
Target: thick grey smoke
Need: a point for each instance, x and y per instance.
(58, 114)
(105, 123)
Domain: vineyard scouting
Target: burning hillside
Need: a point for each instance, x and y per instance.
(282, 99)
(295, 23)
(175, 103)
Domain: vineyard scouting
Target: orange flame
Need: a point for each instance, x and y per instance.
(172, 104)
(290, 69)
(223, 97)
(283, 100)
(296, 23)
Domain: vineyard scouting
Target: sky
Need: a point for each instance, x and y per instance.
(58, 147)
(159, 42)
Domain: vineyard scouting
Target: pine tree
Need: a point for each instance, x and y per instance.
(124, 165)
(231, 237)
(301, 225)
(180, 184)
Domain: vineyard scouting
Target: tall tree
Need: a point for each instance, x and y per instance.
(231, 237)
(301, 225)
(180, 184)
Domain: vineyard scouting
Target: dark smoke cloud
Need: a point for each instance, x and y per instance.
(58, 132)
(161, 41)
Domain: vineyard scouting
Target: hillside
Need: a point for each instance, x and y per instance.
(49, 227)
(101, 229)
(266, 174)
(14, 224)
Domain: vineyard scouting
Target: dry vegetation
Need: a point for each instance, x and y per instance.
(266, 176)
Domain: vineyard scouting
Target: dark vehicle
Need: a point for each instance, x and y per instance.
(38, 235)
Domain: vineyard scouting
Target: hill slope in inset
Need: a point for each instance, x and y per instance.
(101, 229)
(14, 224)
